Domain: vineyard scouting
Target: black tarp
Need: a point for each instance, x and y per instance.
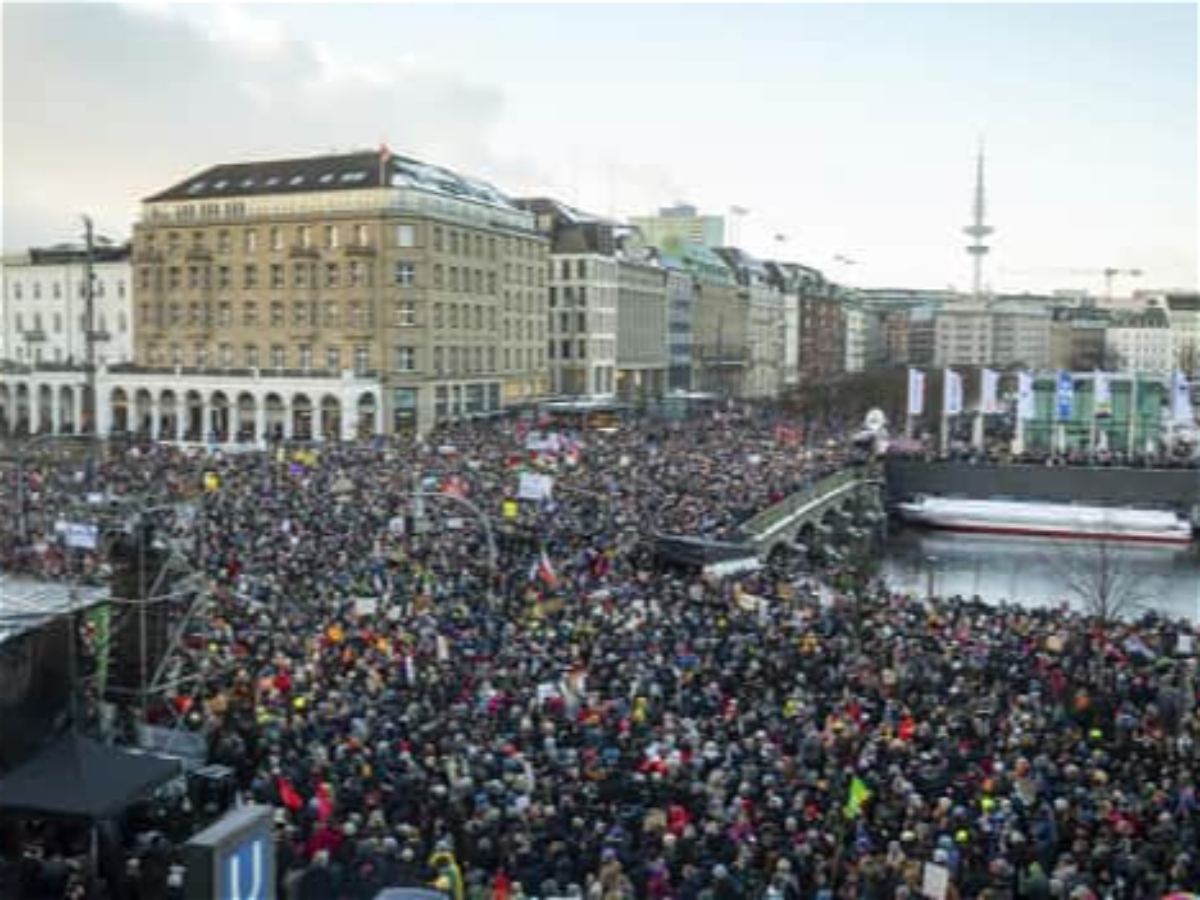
(78, 778)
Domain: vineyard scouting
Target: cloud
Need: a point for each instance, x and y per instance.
(104, 105)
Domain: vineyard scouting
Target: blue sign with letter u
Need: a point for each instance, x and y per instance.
(246, 871)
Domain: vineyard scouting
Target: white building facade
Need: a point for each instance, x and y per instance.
(207, 408)
(43, 317)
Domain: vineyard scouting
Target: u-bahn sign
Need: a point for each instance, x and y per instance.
(233, 859)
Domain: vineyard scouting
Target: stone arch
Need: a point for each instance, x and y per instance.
(220, 416)
(7, 407)
(194, 426)
(45, 395)
(118, 404)
(302, 417)
(367, 407)
(275, 413)
(143, 413)
(22, 409)
(168, 416)
(68, 414)
(331, 418)
(246, 417)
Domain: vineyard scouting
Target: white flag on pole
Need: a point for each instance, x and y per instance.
(952, 393)
(989, 387)
(916, 392)
(1025, 404)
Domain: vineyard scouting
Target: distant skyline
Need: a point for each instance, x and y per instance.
(850, 129)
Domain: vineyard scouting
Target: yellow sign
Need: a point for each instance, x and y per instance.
(511, 509)
(212, 481)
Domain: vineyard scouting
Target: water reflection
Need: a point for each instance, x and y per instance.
(1029, 571)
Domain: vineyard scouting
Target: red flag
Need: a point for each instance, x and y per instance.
(501, 887)
(288, 795)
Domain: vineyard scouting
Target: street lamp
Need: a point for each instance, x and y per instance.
(931, 563)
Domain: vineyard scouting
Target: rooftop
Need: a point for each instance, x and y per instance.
(27, 604)
(337, 172)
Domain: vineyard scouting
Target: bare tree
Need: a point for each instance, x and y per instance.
(1100, 577)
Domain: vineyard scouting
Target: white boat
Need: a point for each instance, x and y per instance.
(1049, 520)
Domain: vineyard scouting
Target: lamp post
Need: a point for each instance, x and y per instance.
(930, 569)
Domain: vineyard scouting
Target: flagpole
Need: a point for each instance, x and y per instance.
(1133, 396)
(1092, 438)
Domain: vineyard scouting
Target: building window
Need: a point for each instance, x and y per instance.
(453, 278)
(250, 277)
(333, 359)
(406, 236)
(406, 359)
(304, 352)
(251, 356)
(223, 278)
(331, 237)
(277, 315)
(223, 242)
(406, 273)
(176, 355)
(225, 356)
(300, 314)
(120, 289)
(201, 356)
(438, 277)
(224, 315)
(406, 313)
(250, 242)
(437, 238)
(362, 360)
(438, 315)
(276, 239)
(454, 242)
(305, 235)
(437, 360)
(193, 277)
(276, 275)
(250, 314)
(278, 357)
(453, 354)
(491, 283)
(453, 315)
(332, 271)
(331, 314)
(300, 275)
(356, 273)
(360, 235)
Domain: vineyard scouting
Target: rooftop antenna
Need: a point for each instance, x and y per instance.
(977, 230)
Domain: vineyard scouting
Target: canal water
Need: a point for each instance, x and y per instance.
(1034, 572)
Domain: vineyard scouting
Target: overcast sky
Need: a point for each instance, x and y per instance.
(851, 129)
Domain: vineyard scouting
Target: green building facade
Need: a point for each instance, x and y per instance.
(1149, 426)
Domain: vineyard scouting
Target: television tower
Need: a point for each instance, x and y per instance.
(977, 230)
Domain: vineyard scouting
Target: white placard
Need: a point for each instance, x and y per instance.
(935, 883)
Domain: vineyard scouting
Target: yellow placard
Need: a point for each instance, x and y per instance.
(511, 509)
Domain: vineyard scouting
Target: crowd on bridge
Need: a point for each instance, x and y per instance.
(576, 719)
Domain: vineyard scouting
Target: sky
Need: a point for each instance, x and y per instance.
(848, 131)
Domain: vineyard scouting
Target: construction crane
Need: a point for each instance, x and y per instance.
(1108, 273)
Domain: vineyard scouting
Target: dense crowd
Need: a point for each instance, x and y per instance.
(582, 721)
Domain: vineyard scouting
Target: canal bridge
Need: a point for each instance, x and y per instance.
(848, 502)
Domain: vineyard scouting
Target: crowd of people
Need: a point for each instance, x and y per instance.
(573, 718)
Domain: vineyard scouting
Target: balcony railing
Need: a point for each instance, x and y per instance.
(302, 252)
(358, 250)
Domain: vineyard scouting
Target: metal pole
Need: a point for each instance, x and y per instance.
(90, 344)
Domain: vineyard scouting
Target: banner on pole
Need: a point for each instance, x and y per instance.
(1064, 396)
(952, 394)
(1026, 408)
(916, 392)
(1181, 400)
